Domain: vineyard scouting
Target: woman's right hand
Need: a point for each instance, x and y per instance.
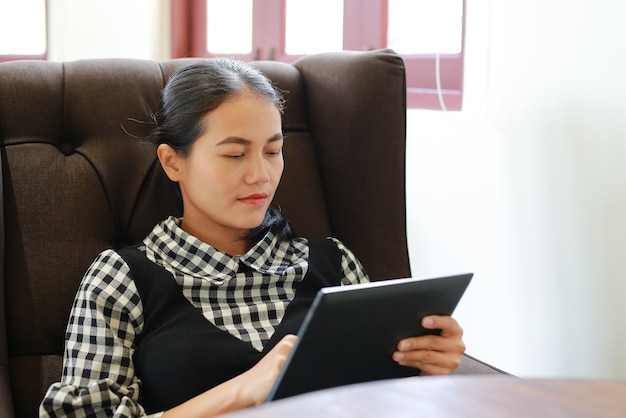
(248, 389)
(257, 382)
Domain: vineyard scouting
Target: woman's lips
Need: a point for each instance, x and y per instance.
(257, 199)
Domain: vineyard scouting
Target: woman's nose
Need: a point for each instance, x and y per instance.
(258, 171)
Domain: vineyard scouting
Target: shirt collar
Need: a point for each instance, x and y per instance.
(170, 245)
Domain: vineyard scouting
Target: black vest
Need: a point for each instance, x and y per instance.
(180, 354)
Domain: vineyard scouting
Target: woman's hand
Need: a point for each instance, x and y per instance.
(256, 383)
(248, 389)
(433, 354)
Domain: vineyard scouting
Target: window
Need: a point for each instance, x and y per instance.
(23, 29)
(425, 26)
(222, 37)
(304, 18)
(427, 33)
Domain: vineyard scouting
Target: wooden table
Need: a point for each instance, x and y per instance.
(456, 396)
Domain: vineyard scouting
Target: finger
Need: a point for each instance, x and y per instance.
(448, 325)
(434, 370)
(451, 344)
(277, 356)
(285, 345)
(433, 362)
(289, 339)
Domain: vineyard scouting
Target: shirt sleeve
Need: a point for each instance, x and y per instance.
(98, 373)
(353, 270)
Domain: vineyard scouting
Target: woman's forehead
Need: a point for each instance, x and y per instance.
(246, 118)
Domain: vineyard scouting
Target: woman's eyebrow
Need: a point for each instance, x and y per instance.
(276, 137)
(243, 141)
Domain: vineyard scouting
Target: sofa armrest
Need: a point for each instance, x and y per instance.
(472, 366)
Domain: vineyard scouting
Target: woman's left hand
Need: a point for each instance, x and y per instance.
(433, 354)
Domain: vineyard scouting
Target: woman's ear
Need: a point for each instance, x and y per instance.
(171, 162)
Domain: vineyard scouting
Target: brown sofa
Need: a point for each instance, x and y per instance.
(78, 176)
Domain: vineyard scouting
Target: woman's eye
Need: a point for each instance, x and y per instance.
(234, 156)
(275, 152)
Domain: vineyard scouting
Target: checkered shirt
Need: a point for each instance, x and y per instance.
(244, 295)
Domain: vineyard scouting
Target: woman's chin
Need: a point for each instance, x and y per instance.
(253, 224)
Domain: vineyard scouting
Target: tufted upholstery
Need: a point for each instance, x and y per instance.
(79, 176)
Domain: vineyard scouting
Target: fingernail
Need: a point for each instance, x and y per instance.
(428, 322)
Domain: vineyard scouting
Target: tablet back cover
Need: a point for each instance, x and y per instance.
(350, 332)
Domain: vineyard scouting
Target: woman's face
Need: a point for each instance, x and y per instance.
(231, 174)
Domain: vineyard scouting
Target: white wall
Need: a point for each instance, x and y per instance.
(527, 187)
(108, 29)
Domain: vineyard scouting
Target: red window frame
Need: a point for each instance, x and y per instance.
(4, 58)
(433, 81)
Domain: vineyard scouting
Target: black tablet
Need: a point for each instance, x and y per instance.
(350, 332)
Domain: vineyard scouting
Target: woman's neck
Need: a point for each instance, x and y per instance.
(232, 242)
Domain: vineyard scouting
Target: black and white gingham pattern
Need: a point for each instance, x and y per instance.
(244, 295)
(98, 373)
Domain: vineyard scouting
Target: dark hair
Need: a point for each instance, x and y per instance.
(197, 89)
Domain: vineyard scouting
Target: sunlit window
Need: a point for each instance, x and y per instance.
(425, 26)
(229, 26)
(313, 26)
(23, 27)
(427, 34)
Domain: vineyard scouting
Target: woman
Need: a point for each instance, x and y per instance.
(198, 319)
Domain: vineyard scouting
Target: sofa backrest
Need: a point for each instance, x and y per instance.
(79, 176)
